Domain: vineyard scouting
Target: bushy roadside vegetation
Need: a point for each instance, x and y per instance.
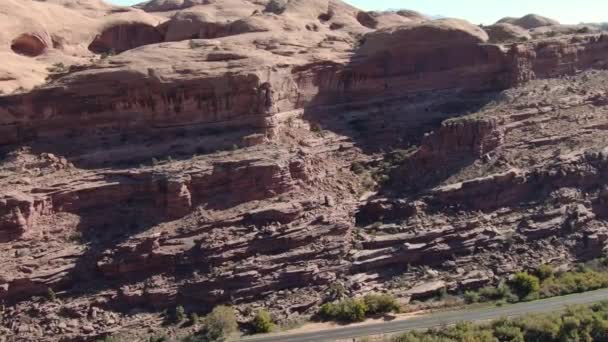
(577, 323)
(545, 283)
(216, 326)
(356, 310)
(262, 322)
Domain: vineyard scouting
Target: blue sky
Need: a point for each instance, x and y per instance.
(488, 11)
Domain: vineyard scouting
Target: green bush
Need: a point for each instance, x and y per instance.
(194, 319)
(501, 292)
(525, 285)
(262, 322)
(381, 304)
(504, 331)
(471, 297)
(576, 324)
(180, 314)
(347, 310)
(544, 272)
(216, 326)
(541, 328)
(574, 282)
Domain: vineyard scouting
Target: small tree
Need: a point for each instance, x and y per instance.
(525, 285)
(262, 322)
(216, 326)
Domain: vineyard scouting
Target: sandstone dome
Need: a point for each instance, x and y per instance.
(443, 32)
(505, 32)
(529, 21)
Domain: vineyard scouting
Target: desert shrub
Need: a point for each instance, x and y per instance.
(276, 6)
(179, 314)
(506, 331)
(347, 310)
(544, 272)
(158, 339)
(541, 328)
(107, 338)
(584, 30)
(216, 326)
(577, 323)
(357, 167)
(501, 292)
(262, 322)
(381, 303)
(50, 294)
(525, 285)
(574, 282)
(471, 297)
(194, 318)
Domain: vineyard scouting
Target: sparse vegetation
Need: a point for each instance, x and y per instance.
(57, 68)
(545, 283)
(75, 237)
(392, 160)
(51, 295)
(108, 338)
(194, 319)
(179, 314)
(357, 167)
(578, 323)
(107, 54)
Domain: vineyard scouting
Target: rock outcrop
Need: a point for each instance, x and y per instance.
(506, 33)
(199, 153)
(529, 21)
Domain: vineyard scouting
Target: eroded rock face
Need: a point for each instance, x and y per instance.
(123, 37)
(226, 157)
(18, 213)
(31, 45)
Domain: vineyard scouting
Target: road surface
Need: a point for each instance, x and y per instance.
(436, 320)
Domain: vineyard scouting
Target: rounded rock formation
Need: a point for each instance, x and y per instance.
(440, 33)
(169, 5)
(367, 19)
(529, 21)
(30, 44)
(192, 25)
(503, 32)
(125, 36)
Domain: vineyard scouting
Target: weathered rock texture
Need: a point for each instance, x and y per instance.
(203, 152)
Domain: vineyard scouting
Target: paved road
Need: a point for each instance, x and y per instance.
(437, 319)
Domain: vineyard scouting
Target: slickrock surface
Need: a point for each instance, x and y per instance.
(197, 153)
